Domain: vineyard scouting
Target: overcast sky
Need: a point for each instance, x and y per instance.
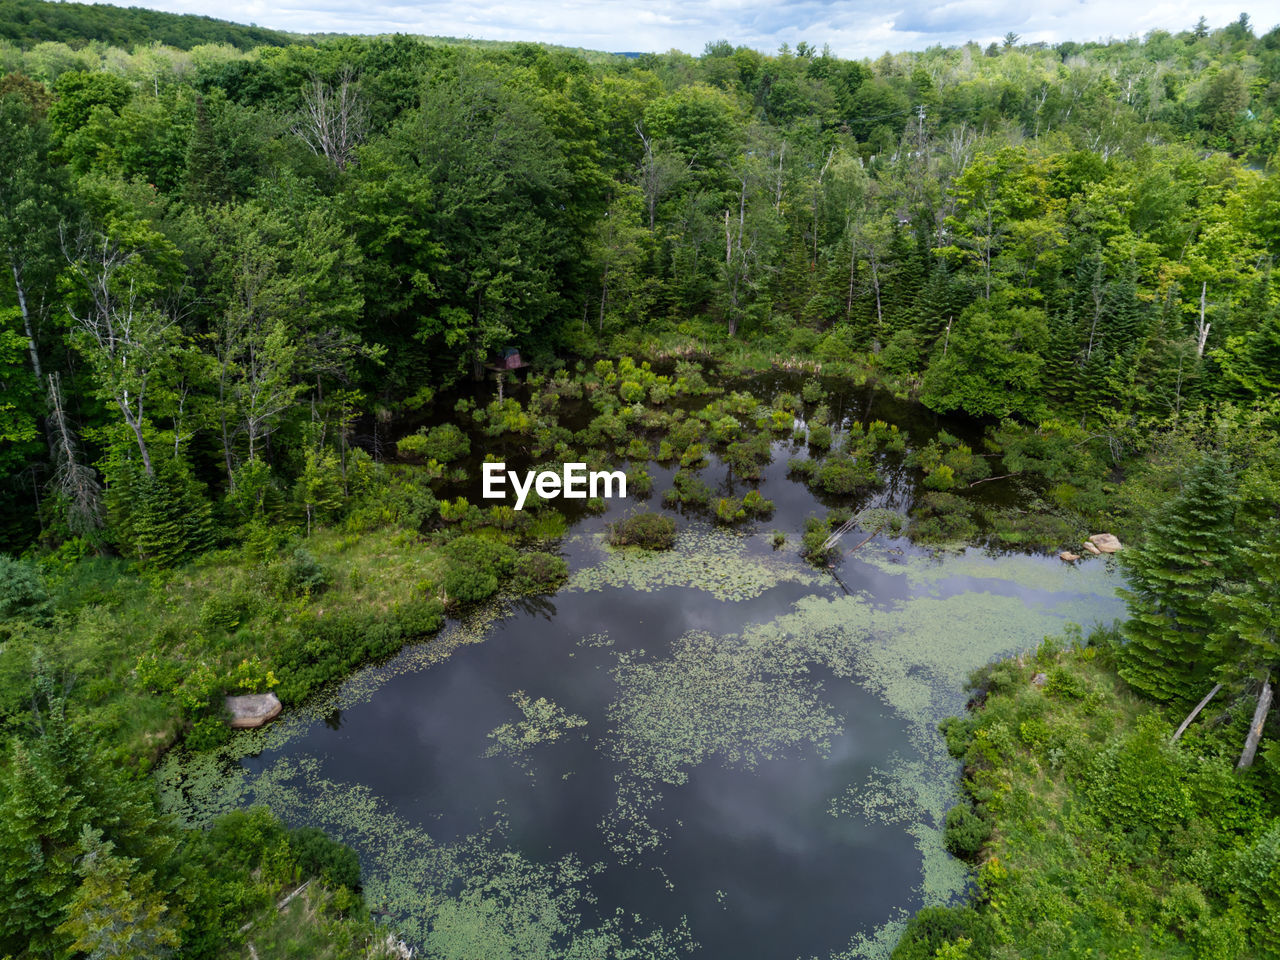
(853, 28)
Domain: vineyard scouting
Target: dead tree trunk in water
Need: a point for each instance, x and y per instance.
(1255, 726)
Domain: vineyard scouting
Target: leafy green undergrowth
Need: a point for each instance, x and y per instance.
(147, 656)
(1093, 835)
(89, 866)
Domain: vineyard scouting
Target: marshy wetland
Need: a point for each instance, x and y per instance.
(722, 749)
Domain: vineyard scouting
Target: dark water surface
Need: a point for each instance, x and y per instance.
(734, 750)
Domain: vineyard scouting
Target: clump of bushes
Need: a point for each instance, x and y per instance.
(729, 510)
(947, 462)
(965, 833)
(444, 444)
(302, 575)
(539, 572)
(734, 510)
(652, 531)
(820, 436)
(802, 468)
(845, 475)
(941, 517)
(816, 532)
(476, 568)
(318, 650)
(747, 458)
(318, 855)
(688, 490)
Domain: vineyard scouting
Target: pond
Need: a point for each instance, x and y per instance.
(718, 752)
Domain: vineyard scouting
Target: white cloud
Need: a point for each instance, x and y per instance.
(853, 28)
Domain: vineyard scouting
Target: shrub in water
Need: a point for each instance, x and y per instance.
(845, 476)
(756, 505)
(539, 572)
(444, 443)
(729, 510)
(652, 531)
(820, 436)
(941, 477)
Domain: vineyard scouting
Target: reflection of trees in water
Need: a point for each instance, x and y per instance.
(540, 606)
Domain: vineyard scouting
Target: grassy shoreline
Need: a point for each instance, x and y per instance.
(1090, 833)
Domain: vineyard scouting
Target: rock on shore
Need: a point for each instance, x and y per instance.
(253, 710)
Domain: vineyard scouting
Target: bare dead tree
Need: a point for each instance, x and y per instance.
(333, 120)
(75, 481)
(659, 172)
(121, 328)
(1202, 326)
(1097, 290)
(959, 148)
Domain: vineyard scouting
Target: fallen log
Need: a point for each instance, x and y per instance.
(1003, 476)
(867, 539)
(1195, 713)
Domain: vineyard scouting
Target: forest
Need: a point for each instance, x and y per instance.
(242, 267)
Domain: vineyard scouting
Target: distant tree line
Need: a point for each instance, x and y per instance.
(30, 22)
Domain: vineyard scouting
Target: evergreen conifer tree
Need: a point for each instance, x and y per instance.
(1172, 577)
(1250, 363)
(1061, 363)
(116, 912)
(1122, 321)
(51, 789)
(1247, 640)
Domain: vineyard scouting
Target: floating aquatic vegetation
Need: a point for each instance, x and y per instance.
(738, 699)
(526, 911)
(474, 898)
(544, 722)
(719, 562)
(627, 829)
(746, 698)
(877, 945)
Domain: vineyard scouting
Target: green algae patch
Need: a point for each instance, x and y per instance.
(737, 699)
(543, 722)
(718, 562)
(476, 897)
(741, 699)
